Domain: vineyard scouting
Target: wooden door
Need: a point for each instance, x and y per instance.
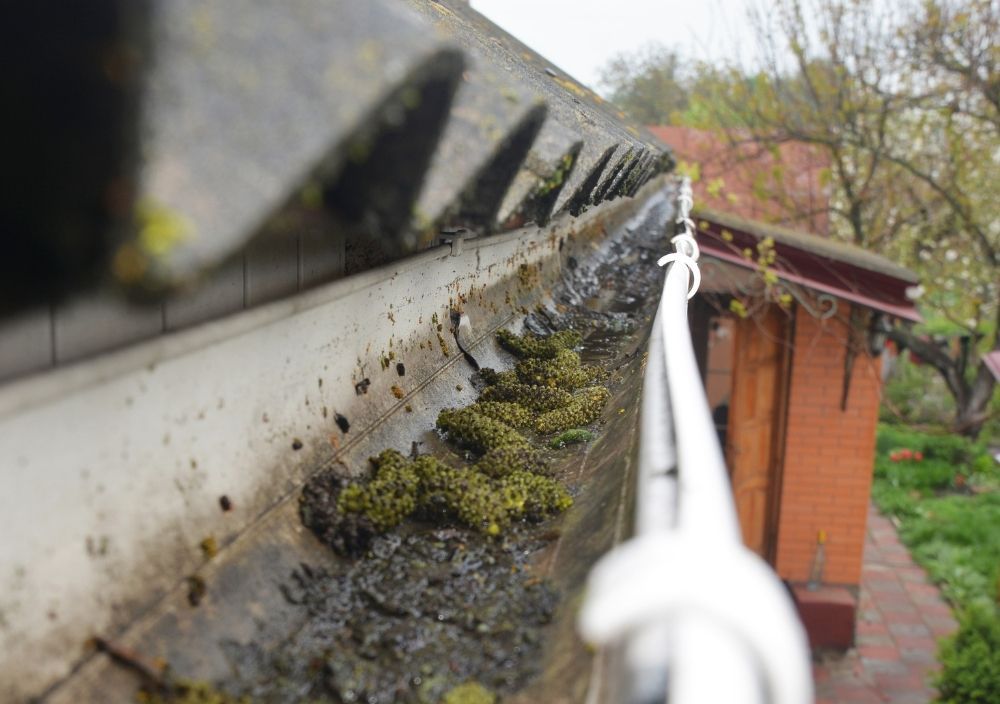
(756, 425)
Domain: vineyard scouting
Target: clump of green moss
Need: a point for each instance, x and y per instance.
(501, 461)
(487, 496)
(534, 397)
(513, 414)
(492, 377)
(549, 390)
(477, 432)
(570, 437)
(530, 345)
(464, 495)
(563, 371)
(469, 693)
(585, 408)
(533, 496)
(389, 498)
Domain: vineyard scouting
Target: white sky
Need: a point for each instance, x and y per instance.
(580, 36)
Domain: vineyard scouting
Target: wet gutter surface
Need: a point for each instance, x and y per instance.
(430, 608)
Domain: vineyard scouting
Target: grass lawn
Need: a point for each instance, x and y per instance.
(944, 493)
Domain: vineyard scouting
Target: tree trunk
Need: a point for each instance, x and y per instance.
(970, 416)
(971, 399)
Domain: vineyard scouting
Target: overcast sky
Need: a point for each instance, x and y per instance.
(580, 36)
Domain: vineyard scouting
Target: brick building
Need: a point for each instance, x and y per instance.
(789, 329)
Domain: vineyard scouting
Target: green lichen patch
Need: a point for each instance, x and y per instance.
(470, 693)
(571, 437)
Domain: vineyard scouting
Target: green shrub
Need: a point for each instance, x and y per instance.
(971, 659)
(957, 539)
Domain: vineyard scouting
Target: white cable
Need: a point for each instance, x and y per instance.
(685, 594)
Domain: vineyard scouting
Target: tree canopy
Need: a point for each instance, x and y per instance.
(904, 101)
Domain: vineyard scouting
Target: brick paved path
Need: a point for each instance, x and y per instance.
(900, 617)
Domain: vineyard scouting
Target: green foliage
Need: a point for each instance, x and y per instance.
(971, 659)
(900, 102)
(648, 84)
(954, 536)
(956, 539)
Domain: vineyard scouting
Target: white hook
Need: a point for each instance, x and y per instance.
(692, 266)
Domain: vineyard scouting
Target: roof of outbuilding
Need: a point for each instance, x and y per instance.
(835, 250)
(818, 263)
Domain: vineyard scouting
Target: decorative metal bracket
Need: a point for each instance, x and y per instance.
(825, 305)
(821, 305)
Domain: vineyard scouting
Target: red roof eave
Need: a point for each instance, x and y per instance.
(875, 290)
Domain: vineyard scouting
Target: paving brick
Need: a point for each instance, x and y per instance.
(892, 605)
(936, 610)
(901, 615)
(911, 615)
(886, 667)
(917, 655)
(856, 695)
(909, 629)
(876, 639)
(941, 625)
(872, 628)
(910, 680)
(912, 574)
(883, 586)
(879, 652)
(923, 589)
(905, 696)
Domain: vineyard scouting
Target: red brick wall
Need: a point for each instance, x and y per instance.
(828, 452)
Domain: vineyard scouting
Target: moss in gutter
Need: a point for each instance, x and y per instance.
(506, 483)
(532, 346)
(394, 519)
(571, 437)
(184, 692)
